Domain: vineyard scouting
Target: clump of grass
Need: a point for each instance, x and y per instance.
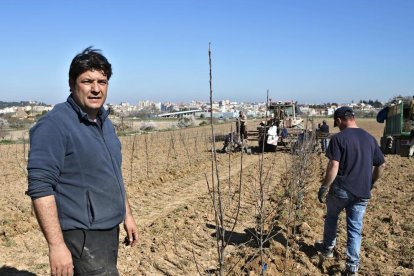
(8, 242)
(186, 122)
(409, 227)
(148, 126)
(9, 142)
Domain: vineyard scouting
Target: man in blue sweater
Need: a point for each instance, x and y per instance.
(355, 164)
(75, 178)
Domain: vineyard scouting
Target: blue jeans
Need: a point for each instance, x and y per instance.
(324, 144)
(337, 200)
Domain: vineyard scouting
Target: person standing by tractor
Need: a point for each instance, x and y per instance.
(75, 178)
(242, 124)
(355, 164)
(324, 131)
(411, 149)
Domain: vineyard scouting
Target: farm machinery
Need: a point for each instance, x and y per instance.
(282, 128)
(399, 126)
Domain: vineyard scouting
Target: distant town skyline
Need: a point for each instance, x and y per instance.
(309, 51)
(25, 102)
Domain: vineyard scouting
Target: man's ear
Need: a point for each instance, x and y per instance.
(338, 121)
(71, 85)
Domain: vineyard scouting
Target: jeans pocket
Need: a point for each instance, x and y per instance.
(339, 192)
(75, 241)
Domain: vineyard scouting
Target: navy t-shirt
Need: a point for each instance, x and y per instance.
(324, 128)
(357, 152)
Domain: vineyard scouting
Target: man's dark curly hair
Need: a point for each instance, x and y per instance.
(89, 59)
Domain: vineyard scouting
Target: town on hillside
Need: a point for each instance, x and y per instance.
(22, 115)
(12, 112)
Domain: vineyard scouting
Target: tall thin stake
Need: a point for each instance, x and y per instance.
(146, 155)
(218, 210)
(132, 159)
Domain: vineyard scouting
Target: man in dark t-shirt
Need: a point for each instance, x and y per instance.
(324, 129)
(355, 164)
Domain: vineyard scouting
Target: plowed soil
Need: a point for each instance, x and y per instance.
(169, 181)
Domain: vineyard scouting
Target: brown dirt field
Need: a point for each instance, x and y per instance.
(165, 176)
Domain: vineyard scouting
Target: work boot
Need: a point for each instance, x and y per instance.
(351, 270)
(326, 252)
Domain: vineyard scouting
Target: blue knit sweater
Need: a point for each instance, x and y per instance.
(79, 162)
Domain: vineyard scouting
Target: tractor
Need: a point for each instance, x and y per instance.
(399, 126)
(282, 126)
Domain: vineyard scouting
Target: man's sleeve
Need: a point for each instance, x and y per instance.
(46, 158)
(333, 152)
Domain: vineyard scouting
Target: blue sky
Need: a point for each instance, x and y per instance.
(313, 51)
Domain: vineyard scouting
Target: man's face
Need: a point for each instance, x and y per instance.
(89, 91)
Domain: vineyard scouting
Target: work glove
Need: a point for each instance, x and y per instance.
(322, 194)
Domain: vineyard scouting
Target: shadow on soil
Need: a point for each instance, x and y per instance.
(11, 271)
(250, 237)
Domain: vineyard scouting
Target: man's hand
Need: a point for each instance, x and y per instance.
(60, 260)
(322, 194)
(330, 175)
(376, 174)
(132, 230)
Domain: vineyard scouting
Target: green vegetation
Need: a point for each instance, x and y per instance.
(8, 142)
(12, 142)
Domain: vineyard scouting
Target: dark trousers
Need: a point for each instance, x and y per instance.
(94, 252)
(243, 131)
